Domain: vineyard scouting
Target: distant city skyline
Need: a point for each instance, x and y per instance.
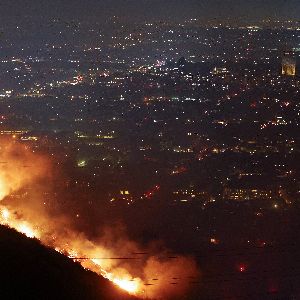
(250, 10)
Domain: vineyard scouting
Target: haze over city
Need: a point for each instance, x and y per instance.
(149, 149)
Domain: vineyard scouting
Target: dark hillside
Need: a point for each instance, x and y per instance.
(29, 270)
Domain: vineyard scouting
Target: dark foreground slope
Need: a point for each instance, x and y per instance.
(29, 270)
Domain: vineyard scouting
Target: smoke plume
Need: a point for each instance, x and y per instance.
(148, 276)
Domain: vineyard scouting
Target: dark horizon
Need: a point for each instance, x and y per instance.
(252, 10)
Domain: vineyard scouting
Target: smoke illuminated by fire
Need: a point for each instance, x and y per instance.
(21, 226)
(146, 277)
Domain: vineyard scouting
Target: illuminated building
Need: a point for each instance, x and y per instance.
(124, 196)
(289, 64)
(220, 71)
(13, 132)
(244, 194)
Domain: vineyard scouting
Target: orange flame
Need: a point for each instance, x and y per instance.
(8, 219)
(26, 220)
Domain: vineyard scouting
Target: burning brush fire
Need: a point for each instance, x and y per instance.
(150, 277)
(7, 218)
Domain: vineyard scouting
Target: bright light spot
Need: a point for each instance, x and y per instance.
(25, 229)
(81, 163)
(5, 214)
(127, 285)
(242, 268)
(96, 261)
(214, 241)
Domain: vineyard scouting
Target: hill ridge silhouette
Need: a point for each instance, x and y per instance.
(29, 270)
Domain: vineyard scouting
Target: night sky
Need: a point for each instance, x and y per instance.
(153, 9)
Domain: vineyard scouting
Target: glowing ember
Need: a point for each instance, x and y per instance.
(25, 229)
(5, 214)
(132, 286)
(129, 286)
(7, 219)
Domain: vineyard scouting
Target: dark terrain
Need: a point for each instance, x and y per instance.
(32, 271)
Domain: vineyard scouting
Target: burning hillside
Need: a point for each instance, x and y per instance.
(32, 271)
(109, 256)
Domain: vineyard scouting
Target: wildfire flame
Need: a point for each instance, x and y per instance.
(129, 286)
(8, 219)
(60, 236)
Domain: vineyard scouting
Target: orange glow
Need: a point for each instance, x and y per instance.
(3, 189)
(129, 286)
(32, 219)
(25, 229)
(132, 286)
(5, 214)
(10, 220)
